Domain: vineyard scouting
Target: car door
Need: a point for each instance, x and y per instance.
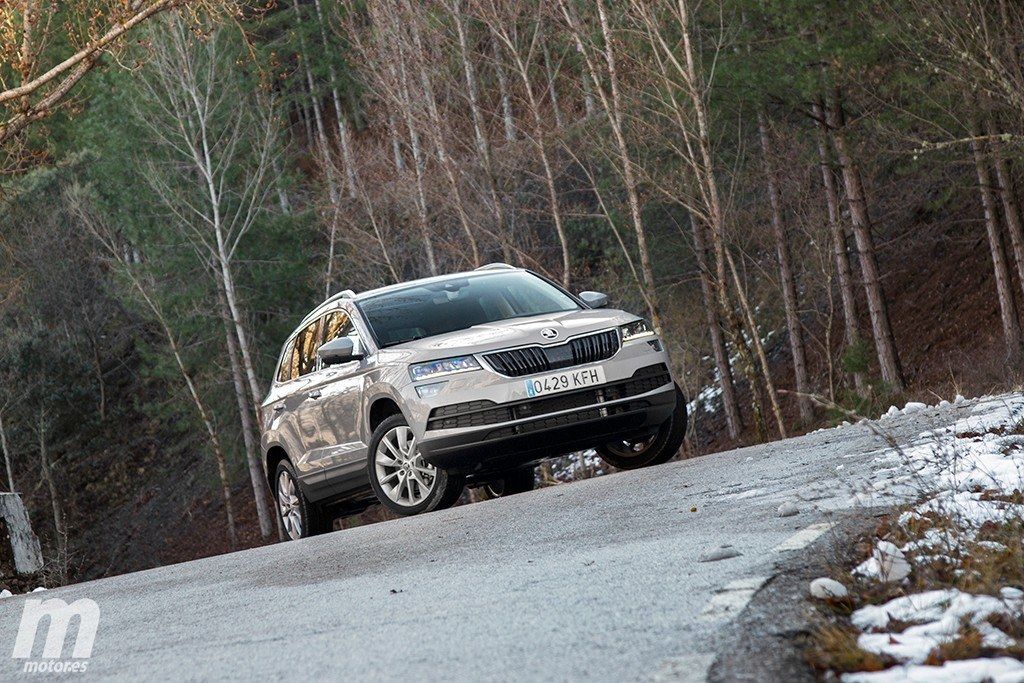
(315, 436)
(341, 403)
(287, 411)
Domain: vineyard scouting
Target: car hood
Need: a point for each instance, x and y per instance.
(504, 334)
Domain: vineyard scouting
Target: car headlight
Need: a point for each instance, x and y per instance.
(445, 366)
(638, 329)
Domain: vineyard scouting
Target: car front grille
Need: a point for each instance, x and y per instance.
(533, 359)
(482, 413)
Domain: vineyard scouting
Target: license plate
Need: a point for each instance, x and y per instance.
(564, 381)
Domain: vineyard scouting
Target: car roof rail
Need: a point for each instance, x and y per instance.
(496, 266)
(343, 294)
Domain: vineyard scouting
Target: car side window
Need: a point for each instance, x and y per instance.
(338, 324)
(306, 344)
(284, 373)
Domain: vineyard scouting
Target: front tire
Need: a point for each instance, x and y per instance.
(654, 450)
(300, 518)
(402, 481)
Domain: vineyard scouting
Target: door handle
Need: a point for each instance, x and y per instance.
(315, 394)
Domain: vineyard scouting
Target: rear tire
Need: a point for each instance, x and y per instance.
(402, 481)
(516, 481)
(655, 450)
(299, 517)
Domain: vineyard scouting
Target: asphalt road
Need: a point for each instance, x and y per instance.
(595, 580)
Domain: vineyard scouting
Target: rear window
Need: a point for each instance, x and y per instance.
(460, 303)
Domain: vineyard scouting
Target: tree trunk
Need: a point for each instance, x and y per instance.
(549, 73)
(733, 420)
(479, 132)
(839, 247)
(7, 455)
(343, 131)
(786, 277)
(1004, 290)
(257, 476)
(324, 146)
(58, 515)
(540, 140)
(1007, 193)
(447, 163)
(704, 168)
(418, 165)
(506, 100)
(614, 109)
(885, 343)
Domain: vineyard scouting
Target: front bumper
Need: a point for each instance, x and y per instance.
(482, 436)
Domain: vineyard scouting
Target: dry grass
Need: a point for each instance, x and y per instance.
(833, 647)
(993, 559)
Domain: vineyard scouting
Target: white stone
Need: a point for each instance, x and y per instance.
(825, 588)
(722, 552)
(788, 509)
(892, 563)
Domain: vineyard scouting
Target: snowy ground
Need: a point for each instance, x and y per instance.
(965, 481)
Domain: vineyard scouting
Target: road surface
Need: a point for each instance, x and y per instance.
(596, 580)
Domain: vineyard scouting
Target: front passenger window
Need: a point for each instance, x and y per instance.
(306, 344)
(337, 325)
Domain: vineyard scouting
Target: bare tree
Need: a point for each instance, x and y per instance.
(676, 67)
(878, 308)
(786, 277)
(1004, 290)
(521, 51)
(611, 101)
(217, 179)
(838, 232)
(8, 464)
(119, 256)
(32, 28)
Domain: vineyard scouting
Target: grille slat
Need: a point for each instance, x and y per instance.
(533, 359)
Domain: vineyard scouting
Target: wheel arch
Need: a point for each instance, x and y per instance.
(275, 454)
(381, 409)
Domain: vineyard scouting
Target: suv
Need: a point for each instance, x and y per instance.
(409, 393)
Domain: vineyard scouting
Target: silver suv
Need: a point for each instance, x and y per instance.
(408, 393)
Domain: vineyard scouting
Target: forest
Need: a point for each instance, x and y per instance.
(814, 202)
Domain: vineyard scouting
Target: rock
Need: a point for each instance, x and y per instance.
(887, 564)
(37, 590)
(914, 407)
(1010, 593)
(5, 593)
(944, 403)
(787, 509)
(825, 588)
(959, 400)
(722, 552)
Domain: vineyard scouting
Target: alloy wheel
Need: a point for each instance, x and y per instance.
(289, 505)
(402, 473)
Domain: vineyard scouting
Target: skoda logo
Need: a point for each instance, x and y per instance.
(549, 333)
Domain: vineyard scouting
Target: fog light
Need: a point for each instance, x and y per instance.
(430, 390)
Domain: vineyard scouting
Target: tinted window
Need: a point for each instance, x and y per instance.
(459, 303)
(306, 344)
(284, 373)
(337, 325)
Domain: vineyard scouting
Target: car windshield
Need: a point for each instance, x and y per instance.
(459, 303)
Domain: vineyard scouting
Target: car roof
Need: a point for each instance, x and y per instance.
(485, 270)
(348, 295)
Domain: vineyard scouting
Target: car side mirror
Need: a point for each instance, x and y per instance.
(337, 351)
(594, 299)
